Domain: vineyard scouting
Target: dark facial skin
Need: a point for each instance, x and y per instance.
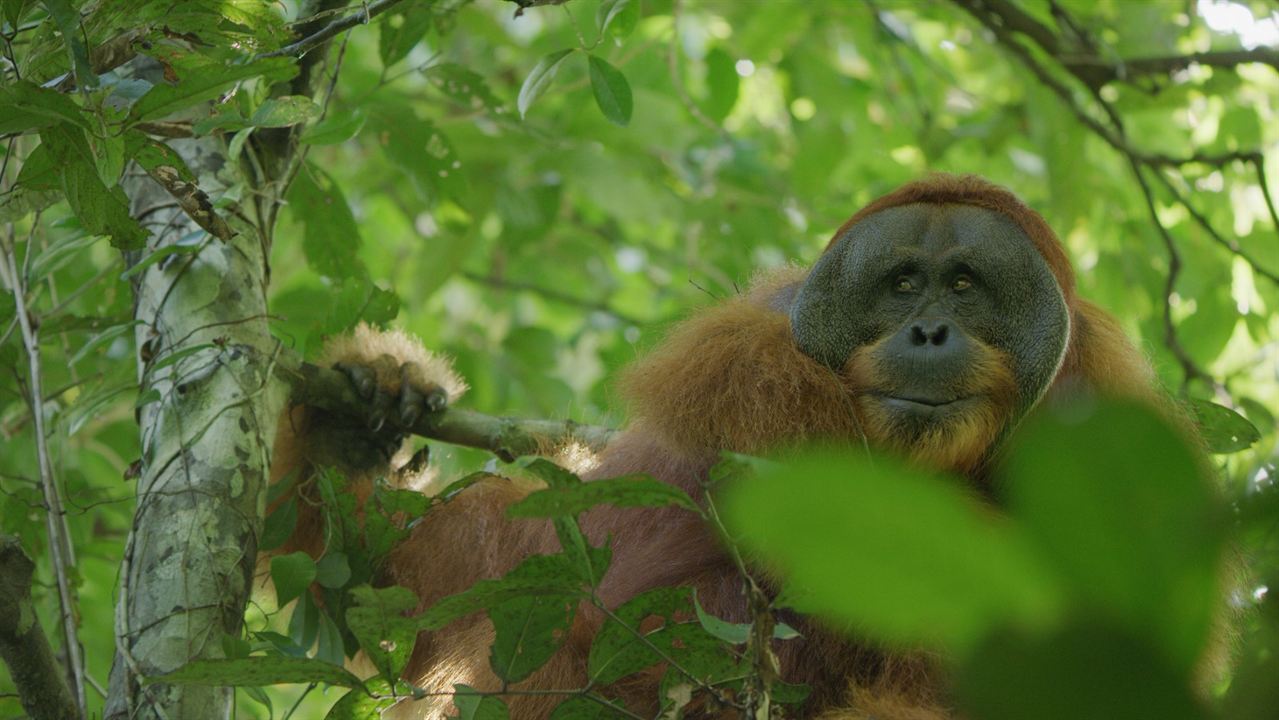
(929, 285)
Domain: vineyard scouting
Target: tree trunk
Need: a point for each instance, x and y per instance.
(207, 421)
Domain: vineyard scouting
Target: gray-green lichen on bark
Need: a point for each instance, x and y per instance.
(207, 419)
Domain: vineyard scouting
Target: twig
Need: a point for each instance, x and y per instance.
(321, 36)
(677, 78)
(982, 9)
(60, 550)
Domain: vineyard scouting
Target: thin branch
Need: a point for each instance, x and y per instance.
(1000, 26)
(677, 78)
(333, 29)
(60, 550)
(506, 437)
(1128, 68)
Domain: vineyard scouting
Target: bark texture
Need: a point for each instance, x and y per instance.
(207, 422)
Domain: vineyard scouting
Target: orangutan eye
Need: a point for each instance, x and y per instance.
(961, 283)
(903, 285)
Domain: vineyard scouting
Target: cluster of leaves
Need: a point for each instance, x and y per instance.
(532, 608)
(1100, 593)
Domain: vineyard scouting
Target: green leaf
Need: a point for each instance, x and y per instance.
(539, 575)
(370, 703)
(621, 649)
(92, 404)
(330, 236)
(465, 87)
(612, 92)
(731, 633)
(539, 79)
(631, 491)
(271, 670)
(399, 32)
(581, 708)
(1223, 429)
(924, 563)
(304, 623)
(472, 706)
(179, 248)
(379, 623)
(722, 84)
(292, 574)
(172, 358)
(529, 630)
(200, 80)
(101, 339)
(332, 571)
(619, 15)
(67, 19)
(153, 155)
(1116, 500)
(338, 127)
(26, 106)
(279, 525)
(1084, 670)
(284, 112)
(329, 645)
(101, 210)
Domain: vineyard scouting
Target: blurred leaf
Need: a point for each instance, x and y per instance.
(722, 84)
(540, 79)
(399, 32)
(612, 92)
(338, 127)
(331, 236)
(465, 87)
(619, 16)
(926, 564)
(1117, 500)
(1084, 670)
(284, 112)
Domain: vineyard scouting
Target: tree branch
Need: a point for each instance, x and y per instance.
(324, 34)
(506, 437)
(23, 645)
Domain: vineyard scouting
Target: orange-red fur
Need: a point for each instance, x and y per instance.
(730, 377)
